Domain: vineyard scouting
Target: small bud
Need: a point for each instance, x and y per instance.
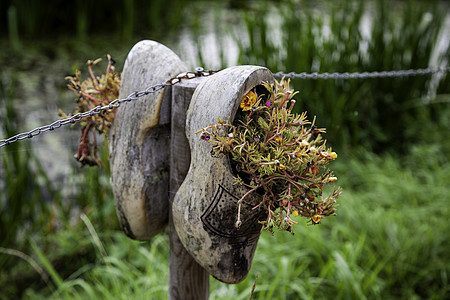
(278, 139)
(238, 224)
(295, 213)
(323, 154)
(292, 104)
(314, 170)
(333, 155)
(205, 136)
(332, 179)
(304, 143)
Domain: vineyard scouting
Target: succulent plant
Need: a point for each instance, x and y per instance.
(279, 154)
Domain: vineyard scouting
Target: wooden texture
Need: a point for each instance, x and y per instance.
(188, 280)
(139, 141)
(205, 207)
(162, 175)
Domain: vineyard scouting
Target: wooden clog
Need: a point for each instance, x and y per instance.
(139, 139)
(204, 209)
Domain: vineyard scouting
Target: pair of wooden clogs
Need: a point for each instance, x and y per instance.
(204, 208)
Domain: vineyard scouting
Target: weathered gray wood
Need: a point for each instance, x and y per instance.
(205, 207)
(150, 157)
(187, 279)
(139, 141)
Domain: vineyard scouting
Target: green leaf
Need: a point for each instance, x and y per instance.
(47, 265)
(262, 123)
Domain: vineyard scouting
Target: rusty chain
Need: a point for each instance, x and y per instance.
(199, 72)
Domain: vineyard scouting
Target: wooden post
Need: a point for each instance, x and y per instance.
(187, 279)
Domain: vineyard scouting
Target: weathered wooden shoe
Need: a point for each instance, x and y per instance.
(139, 139)
(205, 207)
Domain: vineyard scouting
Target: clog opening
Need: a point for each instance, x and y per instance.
(262, 95)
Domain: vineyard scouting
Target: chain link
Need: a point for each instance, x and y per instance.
(199, 72)
(347, 75)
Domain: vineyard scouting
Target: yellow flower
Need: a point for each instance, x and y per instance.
(295, 213)
(248, 101)
(333, 155)
(329, 155)
(278, 139)
(316, 219)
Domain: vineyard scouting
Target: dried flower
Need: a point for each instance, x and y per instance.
(92, 92)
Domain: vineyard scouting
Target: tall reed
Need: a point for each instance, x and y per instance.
(373, 113)
(26, 189)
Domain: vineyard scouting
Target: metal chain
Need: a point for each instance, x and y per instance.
(347, 75)
(199, 72)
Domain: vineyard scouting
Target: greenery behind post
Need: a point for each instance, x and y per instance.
(390, 238)
(373, 113)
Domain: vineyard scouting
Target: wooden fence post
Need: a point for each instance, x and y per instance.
(187, 279)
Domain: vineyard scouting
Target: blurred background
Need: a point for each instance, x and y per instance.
(59, 235)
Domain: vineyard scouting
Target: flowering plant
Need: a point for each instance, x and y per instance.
(278, 154)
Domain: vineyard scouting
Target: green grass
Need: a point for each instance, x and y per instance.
(389, 241)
